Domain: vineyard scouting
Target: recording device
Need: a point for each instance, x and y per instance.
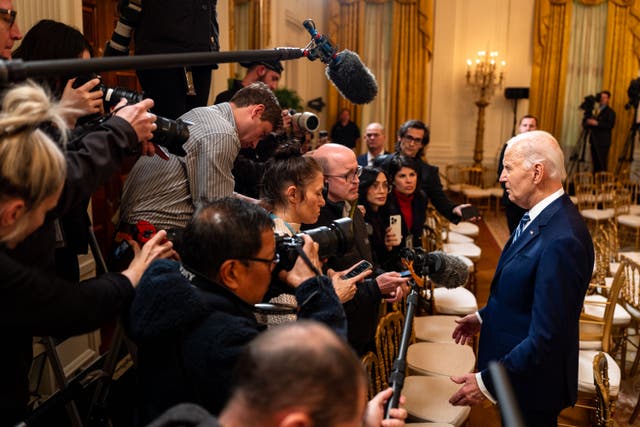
(469, 212)
(306, 121)
(334, 240)
(346, 71)
(633, 91)
(171, 134)
(444, 270)
(589, 104)
(362, 266)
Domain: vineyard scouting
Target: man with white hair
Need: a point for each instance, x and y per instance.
(530, 323)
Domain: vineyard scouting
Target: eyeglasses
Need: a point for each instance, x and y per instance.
(411, 140)
(349, 176)
(10, 16)
(381, 186)
(273, 262)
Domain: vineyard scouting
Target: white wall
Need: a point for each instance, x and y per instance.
(305, 77)
(463, 27)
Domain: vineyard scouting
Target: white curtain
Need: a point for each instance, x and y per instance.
(32, 11)
(377, 56)
(584, 70)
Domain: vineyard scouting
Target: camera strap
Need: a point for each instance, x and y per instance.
(306, 259)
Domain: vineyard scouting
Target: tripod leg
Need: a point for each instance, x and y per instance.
(61, 379)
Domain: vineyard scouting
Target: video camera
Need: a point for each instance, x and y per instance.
(305, 121)
(334, 240)
(171, 134)
(589, 104)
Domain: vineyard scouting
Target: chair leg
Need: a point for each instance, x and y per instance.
(635, 412)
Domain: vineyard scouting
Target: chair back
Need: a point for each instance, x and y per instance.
(388, 336)
(595, 328)
(630, 292)
(372, 368)
(603, 413)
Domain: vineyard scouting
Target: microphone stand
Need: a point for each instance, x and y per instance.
(18, 70)
(396, 379)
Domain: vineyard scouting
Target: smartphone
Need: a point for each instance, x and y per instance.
(395, 222)
(361, 267)
(405, 273)
(469, 212)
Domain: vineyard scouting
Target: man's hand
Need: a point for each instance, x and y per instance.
(346, 288)
(374, 414)
(458, 211)
(469, 394)
(591, 121)
(141, 120)
(301, 271)
(391, 284)
(467, 328)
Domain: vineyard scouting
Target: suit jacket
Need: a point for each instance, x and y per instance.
(362, 158)
(601, 134)
(530, 323)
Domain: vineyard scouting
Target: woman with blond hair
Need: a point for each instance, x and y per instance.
(32, 175)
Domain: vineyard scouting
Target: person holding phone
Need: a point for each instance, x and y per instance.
(373, 193)
(292, 184)
(407, 202)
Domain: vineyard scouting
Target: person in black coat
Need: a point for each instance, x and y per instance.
(413, 138)
(373, 194)
(192, 321)
(600, 128)
(32, 179)
(341, 176)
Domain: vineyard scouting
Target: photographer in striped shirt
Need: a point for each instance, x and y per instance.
(166, 192)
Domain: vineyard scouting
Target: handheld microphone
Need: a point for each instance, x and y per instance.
(444, 270)
(345, 70)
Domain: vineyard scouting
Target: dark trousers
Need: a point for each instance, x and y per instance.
(168, 90)
(537, 419)
(599, 155)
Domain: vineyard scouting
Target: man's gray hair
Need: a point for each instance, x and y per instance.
(539, 147)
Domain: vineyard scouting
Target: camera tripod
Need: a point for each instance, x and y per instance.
(100, 373)
(626, 155)
(577, 160)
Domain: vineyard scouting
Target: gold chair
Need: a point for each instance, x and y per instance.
(598, 330)
(604, 407)
(388, 336)
(371, 367)
(630, 300)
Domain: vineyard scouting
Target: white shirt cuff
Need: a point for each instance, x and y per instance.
(483, 389)
(478, 316)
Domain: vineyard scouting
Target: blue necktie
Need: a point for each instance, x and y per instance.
(523, 222)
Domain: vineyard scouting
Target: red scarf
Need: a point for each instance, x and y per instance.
(406, 208)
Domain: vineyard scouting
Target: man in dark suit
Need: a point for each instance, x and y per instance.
(530, 323)
(600, 128)
(376, 140)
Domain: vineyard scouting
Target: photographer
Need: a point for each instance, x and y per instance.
(600, 125)
(165, 193)
(32, 178)
(191, 321)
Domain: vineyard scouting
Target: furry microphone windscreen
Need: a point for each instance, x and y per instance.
(448, 271)
(352, 78)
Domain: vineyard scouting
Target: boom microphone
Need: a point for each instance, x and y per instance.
(346, 71)
(444, 270)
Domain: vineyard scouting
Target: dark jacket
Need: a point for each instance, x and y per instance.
(168, 26)
(362, 310)
(190, 332)
(419, 211)
(34, 304)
